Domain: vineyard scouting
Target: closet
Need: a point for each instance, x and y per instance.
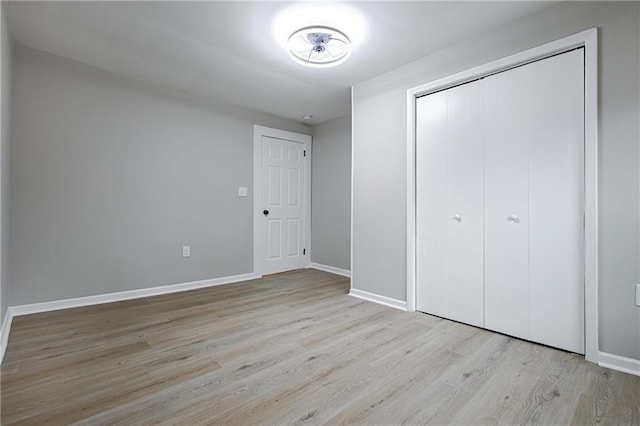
(500, 202)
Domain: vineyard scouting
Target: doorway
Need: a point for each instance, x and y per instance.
(499, 202)
(588, 40)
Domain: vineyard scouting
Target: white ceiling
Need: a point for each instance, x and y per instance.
(226, 51)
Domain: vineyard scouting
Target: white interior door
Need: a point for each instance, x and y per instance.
(283, 205)
(450, 204)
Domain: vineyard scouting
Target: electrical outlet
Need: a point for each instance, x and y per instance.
(637, 294)
(242, 191)
(186, 251)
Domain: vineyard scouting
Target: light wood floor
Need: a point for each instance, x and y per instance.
(292, 349)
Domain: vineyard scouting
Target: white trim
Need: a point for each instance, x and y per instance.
(4, 333)
(77, 302)
(330, 269)
(619, 363)
(352, 180)
(591, 195)
(588, 39)
(411, 201)
(376, 298)
(258, 133)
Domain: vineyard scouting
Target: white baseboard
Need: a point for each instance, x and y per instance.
(619, 363)
(4, 333)
(330, 269)
(382, 300)
(76, 302)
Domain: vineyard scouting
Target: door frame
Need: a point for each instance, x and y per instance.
(589, 40)
(258, 243)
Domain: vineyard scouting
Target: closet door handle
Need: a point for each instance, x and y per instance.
(513, 218)
(457, 218)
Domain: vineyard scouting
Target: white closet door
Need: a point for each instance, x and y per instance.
(449, 204)
(507, 135)
(556, 201)
(432, 294)
(500, 202)
(465, 215)
(534, 285)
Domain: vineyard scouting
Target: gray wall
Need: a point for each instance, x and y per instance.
(110, 177)
(5, 135)
(379, 121)
(331, 189)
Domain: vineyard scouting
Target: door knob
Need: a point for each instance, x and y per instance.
(457, 218)
(265, 212)
(513, 218)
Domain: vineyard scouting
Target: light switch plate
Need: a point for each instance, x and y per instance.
(637, 294)
(242, 191)
(186, 251)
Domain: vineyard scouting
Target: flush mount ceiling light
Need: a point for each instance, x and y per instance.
(319, 46)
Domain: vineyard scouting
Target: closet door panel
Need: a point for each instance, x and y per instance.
(506, 115)
(431, 199)
(465, 187)
(556, 191)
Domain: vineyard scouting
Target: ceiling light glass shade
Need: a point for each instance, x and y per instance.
(319, 46)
